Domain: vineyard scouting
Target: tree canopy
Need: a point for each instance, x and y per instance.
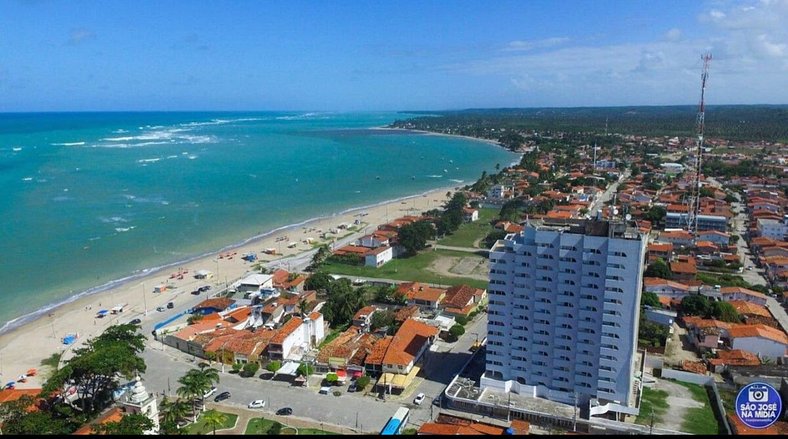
(660, 269)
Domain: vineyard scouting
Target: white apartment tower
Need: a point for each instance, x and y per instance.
(563, 314)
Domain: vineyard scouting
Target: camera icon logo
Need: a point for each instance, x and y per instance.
(757, 394)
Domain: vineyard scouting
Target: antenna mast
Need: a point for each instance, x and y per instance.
(700, 125)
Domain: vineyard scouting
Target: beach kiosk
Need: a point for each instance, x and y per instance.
(160, 288)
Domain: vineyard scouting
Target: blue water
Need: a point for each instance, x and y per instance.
(89, 198)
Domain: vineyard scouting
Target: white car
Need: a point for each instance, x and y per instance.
(419, 399)
(257, 404)
(210, 392)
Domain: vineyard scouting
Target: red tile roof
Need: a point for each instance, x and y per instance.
(115, 414)
(760, 330)
(286, 329)
(219, 303)
(407, 342)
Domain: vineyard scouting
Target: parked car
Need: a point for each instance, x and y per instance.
(285, 411)
(204, 288)
(352, 387)
(222, 396)
(325, 390)
(136, 322)
(257, 404)
(160, 309)
(210, 392)
(196, 292)
(419, 399)
(170, 305)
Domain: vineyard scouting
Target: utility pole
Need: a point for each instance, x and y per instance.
(144, 299)
(574, 421)
(651, 428)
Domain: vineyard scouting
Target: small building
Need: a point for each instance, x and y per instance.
(660, 316)
(470, 214)
(363, 317)
(461, 300)
(255, 282)
(216, 304)
(378, 256)
(203, 274)
(764, 341)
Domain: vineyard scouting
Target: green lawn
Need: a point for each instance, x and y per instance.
(200, 428)
(410, 269)
(652, 400)
(468, 233)
(258, 426)
(699, 420)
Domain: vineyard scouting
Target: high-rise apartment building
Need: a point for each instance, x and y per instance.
(563, 314)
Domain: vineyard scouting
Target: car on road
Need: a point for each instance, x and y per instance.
(160, 309)
(222, 396)
(257, 404)
(284, 411)
(325, 390)
(359, 281)
(210, 392)
(196, 292)
(170, 305)
(204, 288)
(419, 398)
(136, 322)
(750, 268)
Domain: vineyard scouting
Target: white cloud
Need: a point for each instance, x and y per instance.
(673, 34)
(525, 45)
(79, 36)
(749, 44)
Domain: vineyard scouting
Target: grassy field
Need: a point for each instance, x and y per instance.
(259, 426)
(412, 269)
(468, 233)
(652, 400)
(200, 428)
(699, 420)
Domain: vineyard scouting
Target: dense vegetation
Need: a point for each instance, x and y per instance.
(733, 122)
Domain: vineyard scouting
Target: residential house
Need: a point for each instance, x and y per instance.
(255, 282)
(427, 297)
(719, 238)
(470, 214)
(685, 269)
(378, 256)
(754, 314)
(733, 357)
(706, 334)
(213, 305)
(363, 317)
(659, 250)
(677, 237)
(738, 293)
(296, 336)
(762, 340)
(406, 347)
(461, 300)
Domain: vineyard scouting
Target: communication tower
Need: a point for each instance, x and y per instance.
(700, 125)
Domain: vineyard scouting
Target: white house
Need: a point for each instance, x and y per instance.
(715, 236)
(762, 340)
(256, 282)
(470, 214)
(666, 288)
(296, 336)
(374, 241)
(378, 256)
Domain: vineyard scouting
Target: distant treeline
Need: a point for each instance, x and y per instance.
(734, 122)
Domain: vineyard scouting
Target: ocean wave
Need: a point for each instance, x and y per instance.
(68, 144)
(434, 176)
(455, 180)
(113, 219)
(221, 121)
(305, 116)
(27, 179)
(124, 229)
(149, 160)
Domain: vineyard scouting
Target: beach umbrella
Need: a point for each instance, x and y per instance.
(22, 378)
(32, 372)
(10, 384)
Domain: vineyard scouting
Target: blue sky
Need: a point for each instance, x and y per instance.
(387, 55)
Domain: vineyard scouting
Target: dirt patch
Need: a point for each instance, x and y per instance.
(471, 267)
(679, 400)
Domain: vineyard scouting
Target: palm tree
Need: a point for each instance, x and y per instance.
(214, 419)
(171, 413)
(302, 304)
(209, 376)
(190, 389)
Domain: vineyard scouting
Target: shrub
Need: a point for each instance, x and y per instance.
(273, 366)
(249, 369)
(237, 367)
(362, 382)
(332, 378)
(461, 320)
(456, 331)
(275, 430)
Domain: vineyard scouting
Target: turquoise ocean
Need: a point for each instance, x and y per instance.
(92, 199)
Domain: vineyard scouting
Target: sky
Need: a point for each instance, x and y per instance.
(112, 55)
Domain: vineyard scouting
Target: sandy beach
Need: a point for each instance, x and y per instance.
(24, 347)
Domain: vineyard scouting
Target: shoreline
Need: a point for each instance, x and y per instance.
(75, 313)
(31, 317)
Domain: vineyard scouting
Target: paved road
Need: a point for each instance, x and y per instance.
(607, 194)
(463, 249)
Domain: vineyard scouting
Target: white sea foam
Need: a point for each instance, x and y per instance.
(304, 116)
(455, 180)
(434, 176)
(148, 160)
(192, 157)
(68, 144)
(172, 156)
(120, 131)
(123, 229)
(27, 179)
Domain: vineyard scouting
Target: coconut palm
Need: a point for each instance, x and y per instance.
(171, 413)
(214, 419)
(192, 386)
